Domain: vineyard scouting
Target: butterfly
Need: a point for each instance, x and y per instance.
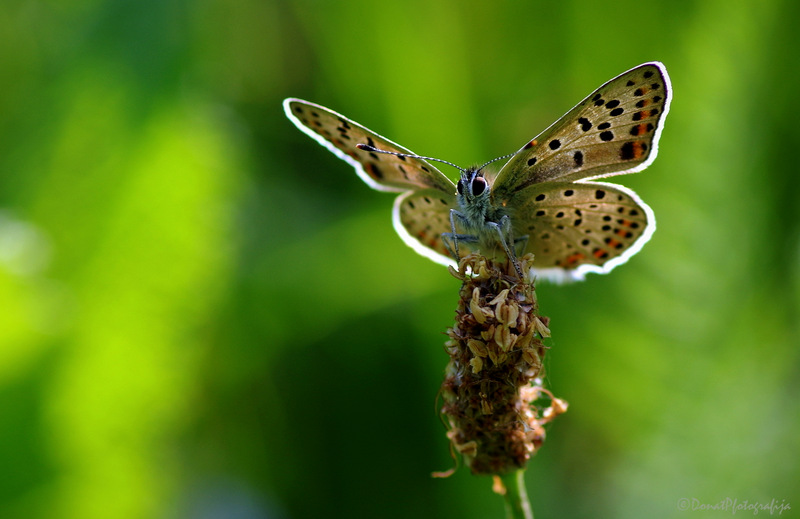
(544, 200)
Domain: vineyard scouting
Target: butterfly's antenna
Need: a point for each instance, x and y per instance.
(498, 158)
(367, 147)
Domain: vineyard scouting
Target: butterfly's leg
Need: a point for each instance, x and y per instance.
(503, 231)
(451, 239)
(452, 234)
(447, 237)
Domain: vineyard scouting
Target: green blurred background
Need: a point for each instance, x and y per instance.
(205, 314)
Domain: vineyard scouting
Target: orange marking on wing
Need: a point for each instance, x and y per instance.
(600, 253)
(339, 143)
(531, 144)
(632, 150)
(639, 129)
(612, 242)
(352, 154)
(622, 232)
(572, 259)
(432, 242)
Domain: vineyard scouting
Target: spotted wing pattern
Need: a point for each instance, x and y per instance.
(571, 225)
(615, 130)
(579, 227)
(381, 171)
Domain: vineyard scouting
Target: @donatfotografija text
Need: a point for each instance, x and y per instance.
(735, 506)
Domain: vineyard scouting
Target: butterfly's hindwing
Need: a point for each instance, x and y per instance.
(420, 217)
(381, 171)
(614, 130)
(582, 226)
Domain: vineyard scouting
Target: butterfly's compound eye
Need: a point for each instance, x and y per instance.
(460, 187)
(478, 186)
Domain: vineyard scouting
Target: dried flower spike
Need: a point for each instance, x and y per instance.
(494, 376)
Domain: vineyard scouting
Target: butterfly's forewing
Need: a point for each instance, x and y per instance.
(614, 130)
(381, 171)
(574, 228)
(420, 218)
(420, 215)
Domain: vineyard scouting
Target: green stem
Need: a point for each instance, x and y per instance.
(517, 504)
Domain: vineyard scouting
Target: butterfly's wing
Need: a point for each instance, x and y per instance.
(575, 228)
(420, 218)
(381, 171)
(420, 215)
(614, 130)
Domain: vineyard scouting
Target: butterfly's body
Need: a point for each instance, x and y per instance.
(478, 221)
(544, 200)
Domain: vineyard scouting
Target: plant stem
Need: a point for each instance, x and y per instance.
(517, 504)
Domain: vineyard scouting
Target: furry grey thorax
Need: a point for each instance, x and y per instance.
(474, 202)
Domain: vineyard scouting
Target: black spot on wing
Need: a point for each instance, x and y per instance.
(373, 171)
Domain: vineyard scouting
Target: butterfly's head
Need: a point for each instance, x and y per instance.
(473, 186)
(473, 197)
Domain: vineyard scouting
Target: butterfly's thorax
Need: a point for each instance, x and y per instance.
(476, 207)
